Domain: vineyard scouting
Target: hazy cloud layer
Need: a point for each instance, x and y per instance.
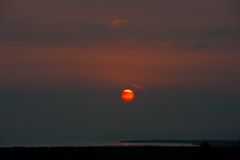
(92, 34)
(92, 23)
(116, 23)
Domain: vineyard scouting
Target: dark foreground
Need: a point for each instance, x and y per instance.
(114, 153)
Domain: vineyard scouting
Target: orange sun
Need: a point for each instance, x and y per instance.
(127, 95)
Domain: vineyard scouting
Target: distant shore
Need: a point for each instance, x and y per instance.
(187, 143)
(120, 152)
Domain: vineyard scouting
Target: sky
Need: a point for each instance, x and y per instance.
(64, 63)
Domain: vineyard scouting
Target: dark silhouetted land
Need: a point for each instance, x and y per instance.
(122, 152)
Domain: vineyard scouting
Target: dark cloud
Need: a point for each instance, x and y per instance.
(84, 31)
(222, 33)
(61, 33)
(199, 45)
(153, 24)
(91, 34)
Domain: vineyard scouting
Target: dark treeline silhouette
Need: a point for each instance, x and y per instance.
(205, 151)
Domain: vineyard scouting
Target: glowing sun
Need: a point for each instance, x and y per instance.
(127, 95)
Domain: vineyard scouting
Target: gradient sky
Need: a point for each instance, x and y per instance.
(63, 64)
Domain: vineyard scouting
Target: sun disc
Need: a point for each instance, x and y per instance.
(127, 95)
